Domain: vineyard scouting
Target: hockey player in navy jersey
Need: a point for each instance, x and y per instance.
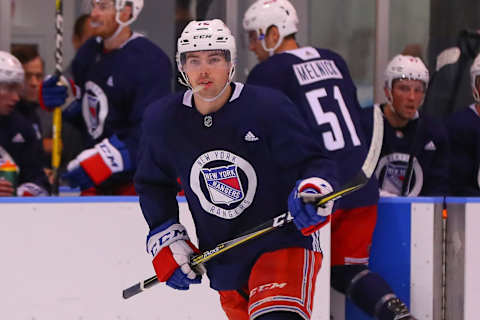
(241, 152)
(319, 83)
(21, 170)
(464, 133)
(407, 131)
(119, 73)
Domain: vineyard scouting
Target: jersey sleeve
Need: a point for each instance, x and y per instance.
(155, 178)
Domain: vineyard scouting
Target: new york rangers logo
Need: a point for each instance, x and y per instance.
(391, 173)
(394, 175)
(223, 184)
(94, 109)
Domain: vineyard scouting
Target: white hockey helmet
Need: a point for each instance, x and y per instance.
(266, 13)
(474, 73)
(11, 70)
(202, 36)
(405, 67)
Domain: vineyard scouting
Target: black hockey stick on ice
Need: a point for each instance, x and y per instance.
(359, 181)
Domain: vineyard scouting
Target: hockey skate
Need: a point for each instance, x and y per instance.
(399, 310)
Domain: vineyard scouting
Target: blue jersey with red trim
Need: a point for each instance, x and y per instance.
(464, 133)
(237, 167)
(320, 85)
(118, 85)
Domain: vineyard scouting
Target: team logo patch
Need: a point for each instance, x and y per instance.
(224, 183)
(94, 109)
(391, 173)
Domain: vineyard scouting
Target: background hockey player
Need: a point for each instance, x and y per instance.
(239, 151)
(118, 77)
(406, 132)
(464, 132)
(21, 170)
(319, 83)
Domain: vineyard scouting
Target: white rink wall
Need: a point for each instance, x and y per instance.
(71, 260)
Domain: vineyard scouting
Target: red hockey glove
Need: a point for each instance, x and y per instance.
(171, 250)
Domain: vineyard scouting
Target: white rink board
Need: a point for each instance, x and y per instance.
(72, 260)
(472, 260)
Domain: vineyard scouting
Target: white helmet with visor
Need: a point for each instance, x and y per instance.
(204, 36)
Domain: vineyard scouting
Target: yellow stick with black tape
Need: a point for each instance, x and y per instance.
(57, 113)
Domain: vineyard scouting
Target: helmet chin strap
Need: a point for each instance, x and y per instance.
(120, 27)
(476, 95)
(186, 83)
(271, 51)
(217, 96)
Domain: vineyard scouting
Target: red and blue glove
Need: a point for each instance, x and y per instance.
(171, 250)
(93, 166)
(307, 217)
(30, 189)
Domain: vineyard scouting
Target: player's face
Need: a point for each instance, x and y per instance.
(102, 17)
(33, 78)
(9, 96)
(407, 96)
(208, 70)
(255, 45)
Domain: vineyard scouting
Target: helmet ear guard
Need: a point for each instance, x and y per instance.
(474, 73)
(137, 6)
(263, 14)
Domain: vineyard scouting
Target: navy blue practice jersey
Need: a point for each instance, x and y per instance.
(237, 167)
(20, 145)
(320, 85)
(431, 162)
(118, 85)
(464, 132)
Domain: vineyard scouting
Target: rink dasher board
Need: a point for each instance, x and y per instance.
(71, 257)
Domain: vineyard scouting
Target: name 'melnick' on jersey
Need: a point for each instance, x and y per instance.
(316, 70)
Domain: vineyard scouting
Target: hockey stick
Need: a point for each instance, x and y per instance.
(57, 113)
(359, 181)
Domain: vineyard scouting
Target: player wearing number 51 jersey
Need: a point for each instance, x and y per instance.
(319, 83)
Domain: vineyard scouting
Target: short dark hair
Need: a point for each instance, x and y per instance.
(25, 53)
(79, 25)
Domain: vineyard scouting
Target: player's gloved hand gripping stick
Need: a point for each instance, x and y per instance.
(356, 183)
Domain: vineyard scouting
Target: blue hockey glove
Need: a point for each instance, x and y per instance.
(171, 250)
(57, 92)
(306, 216)
(94, 166)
